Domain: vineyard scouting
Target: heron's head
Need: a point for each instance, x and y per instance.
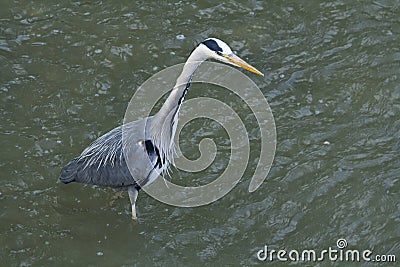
(220, 51)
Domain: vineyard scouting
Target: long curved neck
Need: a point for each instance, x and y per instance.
(164, 122)
(168, 114)
(175, 99)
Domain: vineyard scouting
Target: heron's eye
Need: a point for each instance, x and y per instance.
(219, 53)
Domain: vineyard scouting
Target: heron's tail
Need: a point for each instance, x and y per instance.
(69, 172)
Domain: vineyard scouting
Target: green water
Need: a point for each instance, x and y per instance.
(68, 70)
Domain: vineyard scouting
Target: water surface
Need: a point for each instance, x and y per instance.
(68, 70)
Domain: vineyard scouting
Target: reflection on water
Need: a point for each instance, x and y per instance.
(69, 69)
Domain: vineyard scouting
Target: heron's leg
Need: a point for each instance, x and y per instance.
(133, 193)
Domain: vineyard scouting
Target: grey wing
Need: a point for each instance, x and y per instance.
(103, 163)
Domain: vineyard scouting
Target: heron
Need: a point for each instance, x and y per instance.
(148, 147)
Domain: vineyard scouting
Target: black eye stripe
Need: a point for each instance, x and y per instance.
(212, 45)
(218, 53)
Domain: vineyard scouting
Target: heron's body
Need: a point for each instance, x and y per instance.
(104, 158)
(147, 146)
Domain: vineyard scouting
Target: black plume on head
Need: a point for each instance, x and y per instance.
(212, 45)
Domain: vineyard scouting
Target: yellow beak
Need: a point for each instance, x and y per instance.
(243, 64)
